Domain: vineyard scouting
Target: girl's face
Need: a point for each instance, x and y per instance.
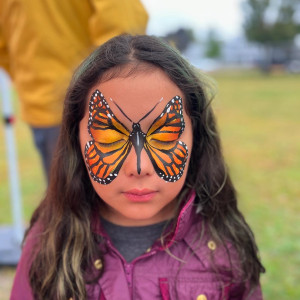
(136, 198)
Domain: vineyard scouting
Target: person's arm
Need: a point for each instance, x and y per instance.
(4, 58)
(114, 17)
(21, 288)
(243, 291)
(254, 294)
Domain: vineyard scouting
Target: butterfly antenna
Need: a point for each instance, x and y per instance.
(149, 112)
(120, 109)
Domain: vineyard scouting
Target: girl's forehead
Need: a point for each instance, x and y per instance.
(138, 93)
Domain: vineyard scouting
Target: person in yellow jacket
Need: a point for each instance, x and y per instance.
(42, 42)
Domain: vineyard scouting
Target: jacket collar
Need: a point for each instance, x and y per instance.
(183, 222)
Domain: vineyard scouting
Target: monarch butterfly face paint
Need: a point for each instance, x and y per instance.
(112, 141)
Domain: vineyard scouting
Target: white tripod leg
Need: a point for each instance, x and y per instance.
(10, 238)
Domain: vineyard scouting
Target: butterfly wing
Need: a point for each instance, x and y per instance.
(168, 155)
(110, 143)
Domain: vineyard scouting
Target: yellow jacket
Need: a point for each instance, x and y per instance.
(42, 42)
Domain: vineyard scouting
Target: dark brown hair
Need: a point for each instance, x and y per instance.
(67, 245)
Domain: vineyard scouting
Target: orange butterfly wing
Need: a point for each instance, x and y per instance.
(168, 155)
(110, 143)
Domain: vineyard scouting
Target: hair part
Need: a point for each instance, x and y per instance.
(68, 246)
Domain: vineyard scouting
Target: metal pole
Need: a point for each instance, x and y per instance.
(10, 245)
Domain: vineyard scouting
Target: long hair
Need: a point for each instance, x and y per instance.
(67, 246)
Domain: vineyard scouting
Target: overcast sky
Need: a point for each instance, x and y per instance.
(167, 15)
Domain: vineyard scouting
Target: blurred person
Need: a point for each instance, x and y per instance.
(42, 41)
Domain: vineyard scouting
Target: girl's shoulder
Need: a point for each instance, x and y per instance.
(21, 288)
(211, 252)
(221, 260)
(193, 229)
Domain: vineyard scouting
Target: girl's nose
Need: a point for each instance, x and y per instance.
(130, 165)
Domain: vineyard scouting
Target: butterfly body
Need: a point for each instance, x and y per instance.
(112, 141)
(137, 138)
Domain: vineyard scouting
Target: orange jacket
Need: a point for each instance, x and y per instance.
(42, 42)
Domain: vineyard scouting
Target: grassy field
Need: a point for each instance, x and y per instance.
(258, 117)
(260, 125)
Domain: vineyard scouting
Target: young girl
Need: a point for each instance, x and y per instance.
(140, 204)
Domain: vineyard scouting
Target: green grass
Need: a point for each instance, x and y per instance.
(258, 118)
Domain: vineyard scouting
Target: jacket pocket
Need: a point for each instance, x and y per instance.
(195, 289)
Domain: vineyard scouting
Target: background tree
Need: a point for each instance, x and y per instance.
(213, 43)
(181, 38)
(273, 24)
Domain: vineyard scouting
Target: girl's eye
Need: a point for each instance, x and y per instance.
(164, 145)
(114, 144)
(163, 142)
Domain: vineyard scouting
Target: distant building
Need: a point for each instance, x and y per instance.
(238, 52)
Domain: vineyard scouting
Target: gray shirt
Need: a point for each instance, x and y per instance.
(131, 241)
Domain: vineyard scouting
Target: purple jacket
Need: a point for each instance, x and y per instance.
(184, 271)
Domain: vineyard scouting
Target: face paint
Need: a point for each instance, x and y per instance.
(112, 141)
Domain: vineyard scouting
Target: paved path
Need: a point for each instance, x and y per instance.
(6, 279)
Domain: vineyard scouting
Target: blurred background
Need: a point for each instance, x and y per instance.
(251, 48)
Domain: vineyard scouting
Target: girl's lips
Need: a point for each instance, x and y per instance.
(136, 195)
